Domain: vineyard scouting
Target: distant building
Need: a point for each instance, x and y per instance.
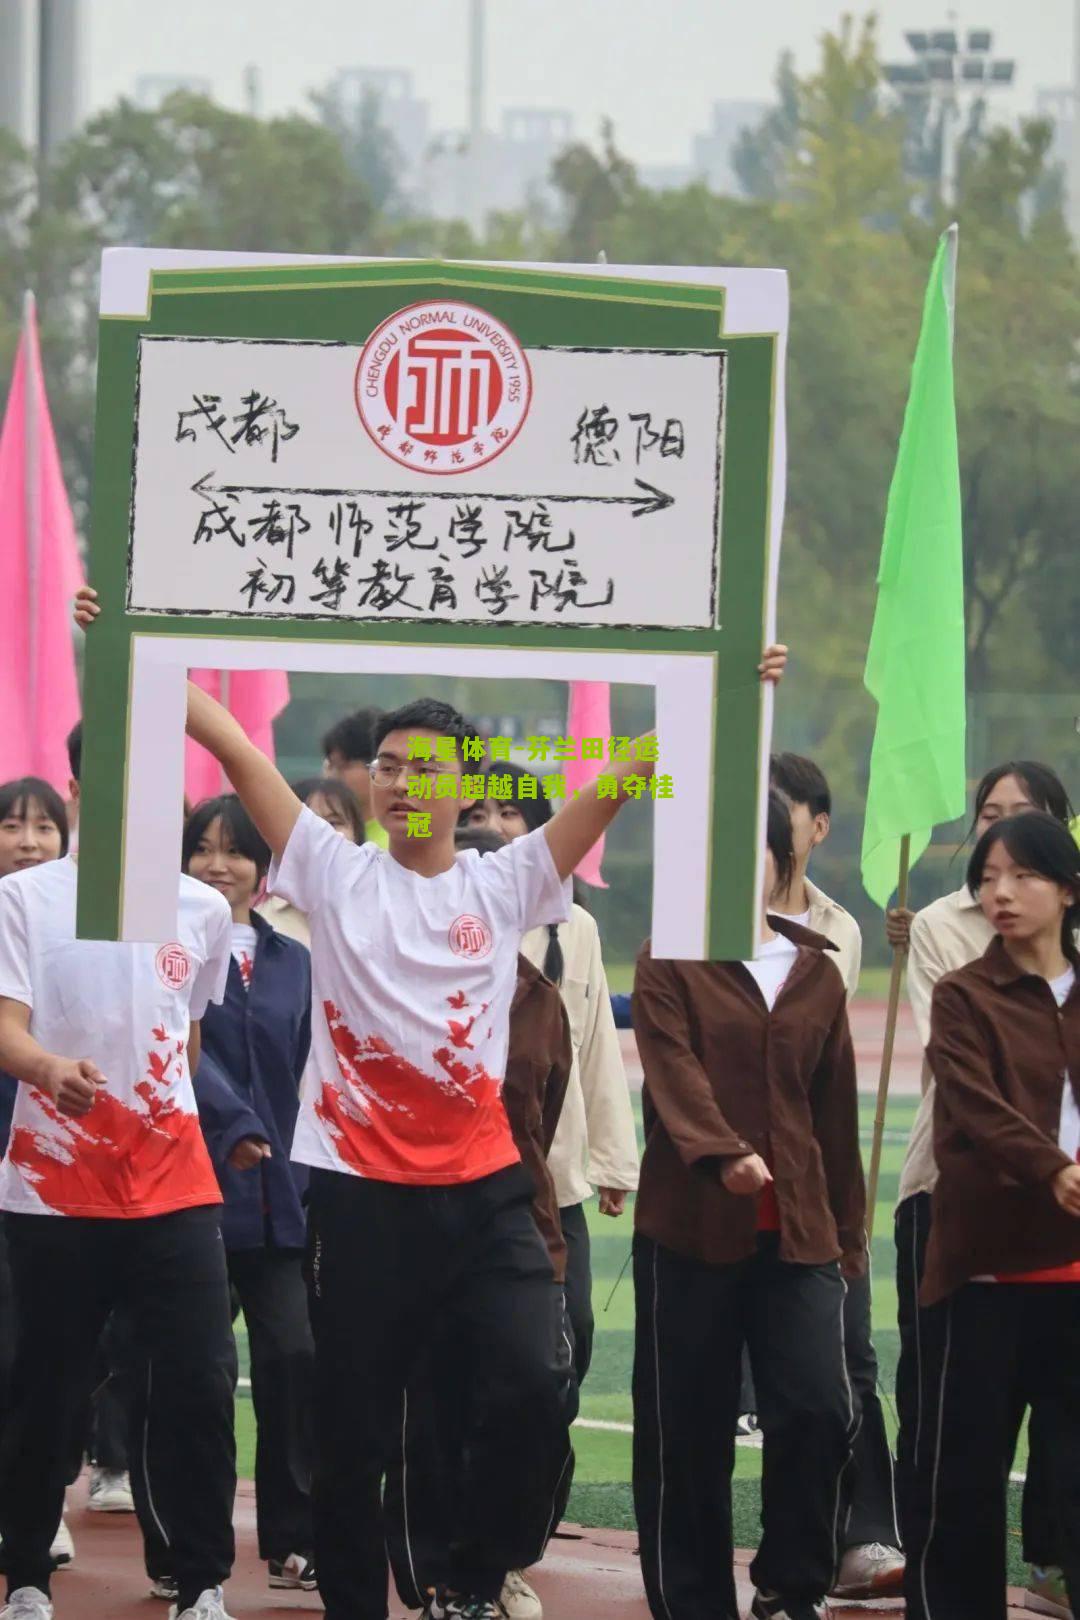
(469, 178)
(407, 118)
(152, 89)
(713, 151)
(42, 70)
(1060, 106)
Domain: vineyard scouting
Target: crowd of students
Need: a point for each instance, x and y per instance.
(364, 1097)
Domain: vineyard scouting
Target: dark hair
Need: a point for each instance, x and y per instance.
(1040, 842)
(237, 825)
(353, 736)
(1044, 787)
(778, 838)
(802, 782)
(338, 793)
(535, 812)
(426, 714)
(481, 839)
(74, 750)
(17, 797)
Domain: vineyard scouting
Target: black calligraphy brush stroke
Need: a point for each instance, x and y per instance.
(134, 478)
(287, 343)
(424, 619)
(721, 425)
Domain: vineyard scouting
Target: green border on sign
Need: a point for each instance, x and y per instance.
(344, 302)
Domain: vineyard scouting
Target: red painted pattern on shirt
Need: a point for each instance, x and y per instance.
(117, 1160)
(395, 1122)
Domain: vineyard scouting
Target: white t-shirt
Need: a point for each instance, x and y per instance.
(771, 966)
(412, 980)
(128, 1008)
(244, 941)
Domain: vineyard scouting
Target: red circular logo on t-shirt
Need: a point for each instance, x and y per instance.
(470, 936)
(173, 966)
(443, 387)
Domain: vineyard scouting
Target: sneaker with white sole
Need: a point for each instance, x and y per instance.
(518, 1600)
(165, 1587)
(209, 1605)
(868, 1572)
(293, 1574)
(62, 1551)
(1045, 1593)
(445, 1607)
(27, 1603)
(110, 1492)
(771, 1606)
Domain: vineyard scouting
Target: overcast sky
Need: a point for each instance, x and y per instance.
(654, 66)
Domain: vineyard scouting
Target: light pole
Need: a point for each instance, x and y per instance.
(950, 73)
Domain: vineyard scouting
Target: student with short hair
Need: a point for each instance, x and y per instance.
(1002, 1267)
(110, 1198)
(258, 1039)
(872, 1565)
(945, 936)
(750, 1214)
(424, 1475)
(348, 749)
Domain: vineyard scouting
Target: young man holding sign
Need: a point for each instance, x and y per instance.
(419, 1203)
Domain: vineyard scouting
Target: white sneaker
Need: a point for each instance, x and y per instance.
(110, 1492)
(62, 1551)
(518, 1599)
(27, 1603)
(870, 1572)
(209, 1605)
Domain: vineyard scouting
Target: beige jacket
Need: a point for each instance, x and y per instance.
(283, 916)
(828, 917)
(945, 935)
(595, 1144)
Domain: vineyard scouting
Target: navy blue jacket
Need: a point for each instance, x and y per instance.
(258, 1039)
(620, 1007)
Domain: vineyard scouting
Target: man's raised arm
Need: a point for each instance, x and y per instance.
(577, 826)
(263, 791)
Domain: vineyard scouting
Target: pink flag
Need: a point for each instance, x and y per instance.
(41, 571)
(255, 697)
(590, 716)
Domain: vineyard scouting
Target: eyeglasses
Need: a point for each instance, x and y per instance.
(385, 772)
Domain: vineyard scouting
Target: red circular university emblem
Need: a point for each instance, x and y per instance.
(443, 387)
(470, 936)
(173, 966)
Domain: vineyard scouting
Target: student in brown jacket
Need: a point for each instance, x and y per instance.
(1003, 1257)
(750, 1212)
(419, 1479)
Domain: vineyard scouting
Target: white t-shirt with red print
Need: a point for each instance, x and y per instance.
(128, 1008)
(412, 980)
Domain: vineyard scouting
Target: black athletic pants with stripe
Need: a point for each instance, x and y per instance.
(394, 1270)
(168, 1272)
(954, 1534)
(691, 1323)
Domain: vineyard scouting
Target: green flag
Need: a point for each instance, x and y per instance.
(915, 662)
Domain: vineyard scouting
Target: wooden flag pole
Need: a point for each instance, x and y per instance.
(899, 958)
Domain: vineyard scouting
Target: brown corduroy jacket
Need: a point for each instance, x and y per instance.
(1000, 1048)
(537, 1074)
(724, 1077)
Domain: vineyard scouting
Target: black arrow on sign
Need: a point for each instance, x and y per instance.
(649, 498)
